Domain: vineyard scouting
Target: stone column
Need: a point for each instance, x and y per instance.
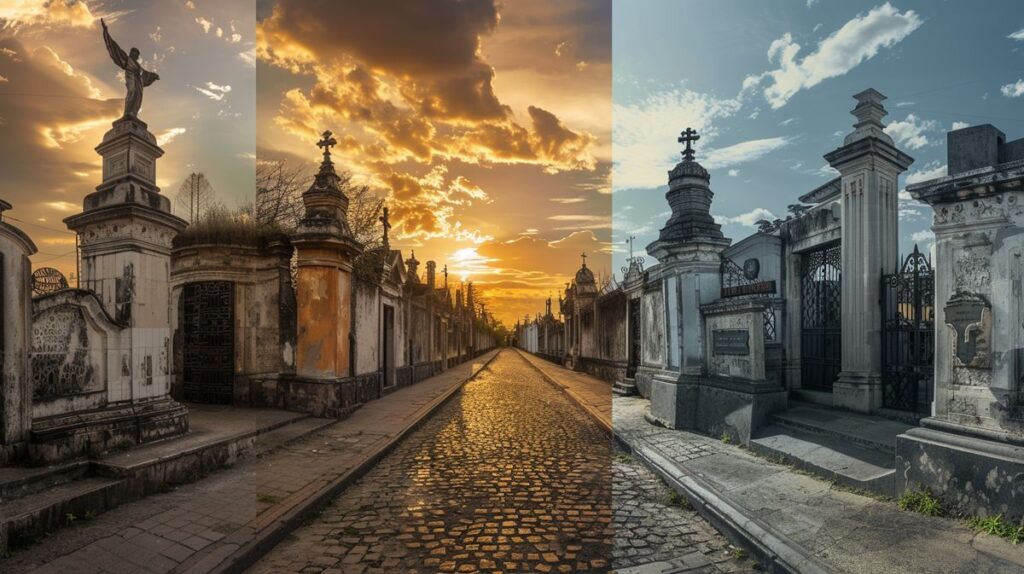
(870, 165)
(125, 232)
(971, 450)
(689, 249)
(16, 310)
(325, 248)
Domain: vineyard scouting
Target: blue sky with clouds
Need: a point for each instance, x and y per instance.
(769, 86)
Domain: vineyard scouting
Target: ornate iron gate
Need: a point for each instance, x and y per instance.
(209, 342)
(820, 312)
(908, 335)
(634, 337)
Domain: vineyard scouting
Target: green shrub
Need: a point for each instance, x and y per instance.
(921, 500)
(997, 526)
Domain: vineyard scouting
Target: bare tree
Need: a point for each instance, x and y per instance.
(195, 197)
(279, 188)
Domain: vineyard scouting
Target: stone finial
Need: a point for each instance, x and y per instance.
(412, 265)
(688, 136)
(327, 143)
(869, 113)
(386, 223)
(431, 274)
(325, 203)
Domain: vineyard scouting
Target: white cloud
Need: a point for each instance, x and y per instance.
(1018, 35)
(928, 171)
(734, 173)
(960, 125)
(787, 121)
(923, 236)
(206, 24)
(249, 57)
(644, 134)
(748, 219)
(912, 131)
(236, 37)
(567, 200)
(856, 41)
(213, 91)
(742, 152)
(167, 136)
(1014, 90)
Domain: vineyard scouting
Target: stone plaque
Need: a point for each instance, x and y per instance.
(967, 314)
(730, 342)
(751, 268)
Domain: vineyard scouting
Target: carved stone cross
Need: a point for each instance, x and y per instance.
(327, 143)
(687, 136)
(387, 225)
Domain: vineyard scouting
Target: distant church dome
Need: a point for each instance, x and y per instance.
(584, 275)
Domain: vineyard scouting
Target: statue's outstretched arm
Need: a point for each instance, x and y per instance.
(115, 51)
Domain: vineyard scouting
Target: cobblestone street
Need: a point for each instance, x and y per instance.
(654, 524)
(511, 476)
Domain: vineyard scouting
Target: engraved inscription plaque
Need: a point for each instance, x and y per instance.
(730, 342)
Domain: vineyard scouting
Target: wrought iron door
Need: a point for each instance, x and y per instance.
(908, 335)
(634, 337)
(209, 342)
(820, 312)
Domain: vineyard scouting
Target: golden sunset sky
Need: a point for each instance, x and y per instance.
(486, 127)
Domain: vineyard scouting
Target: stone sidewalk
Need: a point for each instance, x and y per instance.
(224, 522)
(794, 521)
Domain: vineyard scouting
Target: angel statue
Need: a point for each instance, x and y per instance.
(135, 78)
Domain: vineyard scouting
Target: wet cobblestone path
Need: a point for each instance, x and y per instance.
(510, 476)
(654, 524)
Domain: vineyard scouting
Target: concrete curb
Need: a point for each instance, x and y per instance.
(772, 549)
(594, 413)
(245, 555)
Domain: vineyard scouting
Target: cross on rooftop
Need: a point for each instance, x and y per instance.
(687, 136)
(630, 241)
(327, 143)
(584, 256)
(387, 225)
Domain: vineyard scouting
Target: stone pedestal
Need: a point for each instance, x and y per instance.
(125, 232)
(15, 307)
(971, 450)
(689, 249)
(325, 248)
(870, 165)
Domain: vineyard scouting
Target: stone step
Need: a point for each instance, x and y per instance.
(97, 486)
(19, 481)
(624, 388)
(828, 456)
(870, 432)
(25, 519)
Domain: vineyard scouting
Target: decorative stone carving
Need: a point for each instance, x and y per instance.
(969, 316)
(60, 353)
